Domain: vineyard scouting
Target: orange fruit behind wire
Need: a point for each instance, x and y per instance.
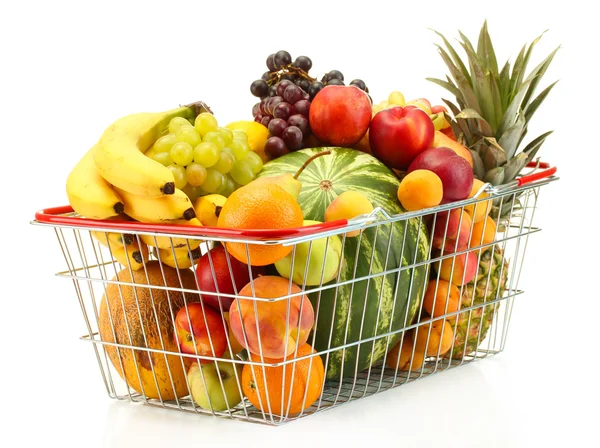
(260, 206)
(306, 384)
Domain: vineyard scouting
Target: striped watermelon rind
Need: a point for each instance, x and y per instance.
(374, 306)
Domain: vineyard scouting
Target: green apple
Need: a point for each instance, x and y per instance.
(315, 263)
(209, 392)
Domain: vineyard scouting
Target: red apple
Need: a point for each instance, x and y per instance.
(454, 171)
(340, 115)
(206, 326)
(399, 134)
(222, 277)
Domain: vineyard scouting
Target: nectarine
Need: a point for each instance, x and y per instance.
(340, 115)
(263, 326)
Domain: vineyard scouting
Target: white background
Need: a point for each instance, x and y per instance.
(69, 70)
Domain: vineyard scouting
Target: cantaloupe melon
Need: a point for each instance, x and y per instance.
(152, 374)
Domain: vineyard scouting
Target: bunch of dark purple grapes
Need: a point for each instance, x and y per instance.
(336, 78)
(285, 93)
(284, 102)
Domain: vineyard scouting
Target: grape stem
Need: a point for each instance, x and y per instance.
(310, 159)
(287, 69)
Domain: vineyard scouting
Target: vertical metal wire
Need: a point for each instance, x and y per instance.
(112, 329)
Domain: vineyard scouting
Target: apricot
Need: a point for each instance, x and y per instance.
(436, 342)
(455, 226)
(441, 297)
(440, 337)
(401, 356)
(459, 269)
(484, 232)
(420, 189)
(480, 210)
(348, 205)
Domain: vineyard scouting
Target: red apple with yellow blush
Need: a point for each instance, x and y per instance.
(400, 134)
(196, 327)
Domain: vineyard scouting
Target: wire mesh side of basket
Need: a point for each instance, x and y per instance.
(147, 366)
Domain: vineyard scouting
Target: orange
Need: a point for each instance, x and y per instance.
(260, 206)
(299, 392)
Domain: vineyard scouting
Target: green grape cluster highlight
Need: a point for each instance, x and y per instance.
(206, 158)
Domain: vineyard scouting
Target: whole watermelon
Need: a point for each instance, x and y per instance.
(370, 307)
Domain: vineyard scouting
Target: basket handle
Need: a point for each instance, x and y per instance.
(55, 215)
(536, 176)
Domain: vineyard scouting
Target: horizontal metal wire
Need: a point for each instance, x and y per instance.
(335, 393)
(308, 290)
(511, 294)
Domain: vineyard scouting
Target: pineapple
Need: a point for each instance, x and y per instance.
(491, 115)
(488, 285)
(494, 108)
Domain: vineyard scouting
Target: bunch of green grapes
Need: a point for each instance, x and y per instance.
(206, 158)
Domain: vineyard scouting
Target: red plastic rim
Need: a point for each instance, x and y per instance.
(56, 215)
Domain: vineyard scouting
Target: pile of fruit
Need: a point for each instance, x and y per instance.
(286, 92)
(317, 151)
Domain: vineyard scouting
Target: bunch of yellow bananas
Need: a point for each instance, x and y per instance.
(116, 177)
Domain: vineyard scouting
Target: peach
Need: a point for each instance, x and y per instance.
(459, 269)
(456, 227)
(348, 205)
(420, 189)
(266, 325)
(484, 232)
(480, 210)
(437, 336)
(441, 139)
(401, 356)
(441, 297)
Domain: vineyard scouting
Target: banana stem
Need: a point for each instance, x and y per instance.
(310, 159)
(199, 107)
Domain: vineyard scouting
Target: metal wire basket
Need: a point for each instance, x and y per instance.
(276, 358)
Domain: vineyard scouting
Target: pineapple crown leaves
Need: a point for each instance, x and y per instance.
(493, 107)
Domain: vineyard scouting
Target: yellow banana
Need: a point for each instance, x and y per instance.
(89, 194)
(161, 209)
(119, 154)
(133, 255)
(166, 242)
(208, 208)
(150, 152)
(113, 239)
(178, 258)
